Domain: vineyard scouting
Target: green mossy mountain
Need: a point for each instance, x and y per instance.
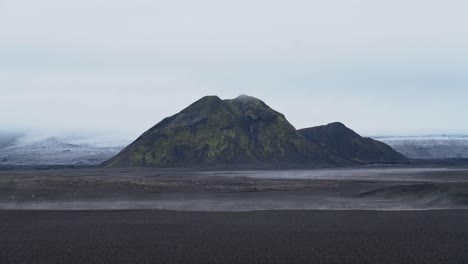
(350, 144)
(245, 131)
(212, 131)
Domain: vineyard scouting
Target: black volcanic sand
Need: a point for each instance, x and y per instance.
(251, 237)
(117, 189)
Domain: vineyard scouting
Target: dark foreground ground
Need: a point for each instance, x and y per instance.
(367, 188)
(154, 236)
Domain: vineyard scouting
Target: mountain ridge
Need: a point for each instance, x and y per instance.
(212, 131)
(349, 143)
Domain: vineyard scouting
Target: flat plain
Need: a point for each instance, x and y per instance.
(154, 236)
(360, 215)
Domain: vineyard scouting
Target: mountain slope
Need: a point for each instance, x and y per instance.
(350, 144)
(215, 131)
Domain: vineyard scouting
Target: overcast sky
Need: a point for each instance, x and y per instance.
(395, 67)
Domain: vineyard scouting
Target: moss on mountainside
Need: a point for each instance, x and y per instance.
(245, 130)
(213, 131)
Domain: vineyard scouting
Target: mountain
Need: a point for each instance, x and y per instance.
(350, 144)
(212, 131)
(430, 147)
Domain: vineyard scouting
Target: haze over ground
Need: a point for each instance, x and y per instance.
(119, 67)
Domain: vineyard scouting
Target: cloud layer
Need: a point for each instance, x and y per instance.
(394, 67)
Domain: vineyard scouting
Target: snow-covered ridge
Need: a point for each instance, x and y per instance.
(60, 150)
(429, 147)
(435, 137)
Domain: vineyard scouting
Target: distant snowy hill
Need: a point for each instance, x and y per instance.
(62, 150)
(92, 150)
(429, 147)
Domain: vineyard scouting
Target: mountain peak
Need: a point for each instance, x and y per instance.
(248, 100)
(214, 131)
(336, 124)
(245, 130)
(204, 104)
(339, 129)
(244, 97)
(345, 141)
(209, 99)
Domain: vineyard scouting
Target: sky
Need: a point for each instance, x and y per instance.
(118, 67)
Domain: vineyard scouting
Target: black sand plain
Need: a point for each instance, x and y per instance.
(369, 188)
(153, 236)
(227, 216)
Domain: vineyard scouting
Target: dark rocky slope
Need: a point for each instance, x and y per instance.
(212, 131)
(348, 143)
